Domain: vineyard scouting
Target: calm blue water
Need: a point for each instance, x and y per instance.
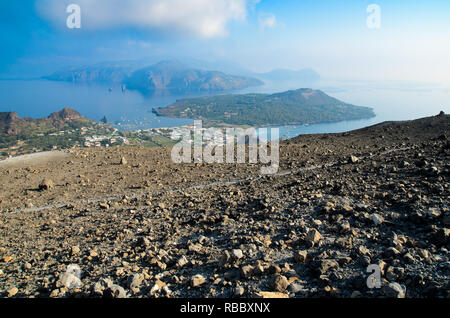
(40, 98)
(390, 100)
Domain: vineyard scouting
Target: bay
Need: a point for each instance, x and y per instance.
(129, 110)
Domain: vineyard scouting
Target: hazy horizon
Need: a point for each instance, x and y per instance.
(411, 43)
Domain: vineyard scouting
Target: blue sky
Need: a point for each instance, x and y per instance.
(329, 36)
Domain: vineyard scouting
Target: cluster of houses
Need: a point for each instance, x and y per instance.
(98, 141)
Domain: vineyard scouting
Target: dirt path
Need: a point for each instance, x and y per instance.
(32, 159)
(196, 187)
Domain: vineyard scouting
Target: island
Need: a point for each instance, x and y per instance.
(295, 107)
(171, 76)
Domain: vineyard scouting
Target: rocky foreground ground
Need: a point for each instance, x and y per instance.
(127, 222)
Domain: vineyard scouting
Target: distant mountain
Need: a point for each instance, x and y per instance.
(178, 78)
(302, 106)
(97, 74)
(305, 75)
(12, 125)
(167, 75)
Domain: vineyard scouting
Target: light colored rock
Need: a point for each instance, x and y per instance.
(239, 291)
(7, 259)
(166, 291)
(75, 250)
(71, 279)
(246, 271)
(377, 219)
(197, 280)
(237, 254)
(363, 250)
(182, 261)
(159, 285)
(104, 205)
(195, 248)
(313, 236)
(280, 283)
(393, 290)
(271, 295)
(326, 265)
(300, 256)
(433, 212)
(46, 184)
(135, 281)
(353, 159)
(424, 253)
(12, 292)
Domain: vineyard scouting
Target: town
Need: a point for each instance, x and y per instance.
(97, 135)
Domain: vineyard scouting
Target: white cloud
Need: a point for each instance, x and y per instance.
(206, 18)
(267, 20)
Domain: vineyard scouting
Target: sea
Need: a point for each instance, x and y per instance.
(130, 110)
